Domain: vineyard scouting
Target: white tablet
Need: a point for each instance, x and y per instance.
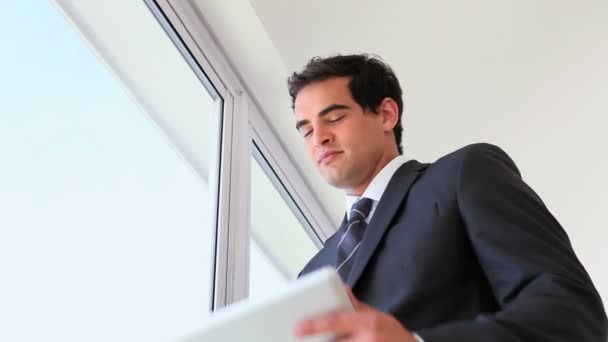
(273, 319)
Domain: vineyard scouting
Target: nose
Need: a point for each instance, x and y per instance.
(321, 136)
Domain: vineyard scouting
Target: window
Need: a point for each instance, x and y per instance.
(120, 220)
(280, 246)
(273, 189)
(108, 224)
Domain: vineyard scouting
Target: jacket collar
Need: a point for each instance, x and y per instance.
(390, 202)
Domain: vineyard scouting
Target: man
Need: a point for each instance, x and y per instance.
(458, 250)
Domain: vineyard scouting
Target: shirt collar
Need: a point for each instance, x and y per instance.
(378, 185)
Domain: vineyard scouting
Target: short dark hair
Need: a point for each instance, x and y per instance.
(371, 82)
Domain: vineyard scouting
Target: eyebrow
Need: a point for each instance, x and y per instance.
(322, 113)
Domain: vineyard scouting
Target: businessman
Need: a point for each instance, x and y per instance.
(458, 250)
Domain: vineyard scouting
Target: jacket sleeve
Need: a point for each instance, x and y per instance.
(543, 291)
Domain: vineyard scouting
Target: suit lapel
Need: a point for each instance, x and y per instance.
(390, 202)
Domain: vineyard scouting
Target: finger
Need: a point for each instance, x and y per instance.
(342, 339)
(338, 323)
(351, 296)
(357, 304)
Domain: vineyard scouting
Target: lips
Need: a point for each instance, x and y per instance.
(327, 156)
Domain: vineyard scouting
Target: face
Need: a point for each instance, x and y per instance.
(346, 143)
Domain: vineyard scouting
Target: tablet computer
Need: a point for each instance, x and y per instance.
(272, 319)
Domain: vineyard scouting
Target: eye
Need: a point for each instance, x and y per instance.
(337, 119)
(305, 135)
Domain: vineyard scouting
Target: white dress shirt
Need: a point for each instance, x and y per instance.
(376, 188)
(374, 191)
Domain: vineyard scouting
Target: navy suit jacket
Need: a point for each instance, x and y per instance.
(463, 250)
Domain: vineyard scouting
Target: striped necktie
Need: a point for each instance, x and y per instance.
(351, 238)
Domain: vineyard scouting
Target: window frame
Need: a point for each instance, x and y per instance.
(232, 211)
(246, 132)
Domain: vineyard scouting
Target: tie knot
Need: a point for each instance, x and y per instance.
(361, 208)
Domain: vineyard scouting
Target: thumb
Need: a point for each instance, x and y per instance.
(357, 304)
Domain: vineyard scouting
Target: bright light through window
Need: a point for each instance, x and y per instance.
(280, 246)
(106, 232)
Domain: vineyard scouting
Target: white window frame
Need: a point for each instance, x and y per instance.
(232, 218)
(245, 124)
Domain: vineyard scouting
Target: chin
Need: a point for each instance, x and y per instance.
(336, 182)
(330, 179)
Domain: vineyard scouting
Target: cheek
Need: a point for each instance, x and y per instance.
(365, 140)
(355, 136)
(310, 149)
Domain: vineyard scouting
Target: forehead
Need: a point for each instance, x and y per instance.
(318, 95)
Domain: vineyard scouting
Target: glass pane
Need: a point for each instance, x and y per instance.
(265, 276)
(106, 232)
(280, 246)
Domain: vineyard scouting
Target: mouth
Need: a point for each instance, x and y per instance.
(327, 157)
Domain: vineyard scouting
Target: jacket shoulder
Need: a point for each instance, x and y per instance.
(325, 257)
(472, 154)
(473, 150)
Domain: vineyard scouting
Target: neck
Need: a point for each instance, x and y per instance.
(360, 189)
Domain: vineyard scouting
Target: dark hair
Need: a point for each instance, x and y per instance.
(371, 82)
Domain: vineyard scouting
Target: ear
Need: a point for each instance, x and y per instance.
(389, 112)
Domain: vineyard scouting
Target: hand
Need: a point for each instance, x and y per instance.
(365, 324)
